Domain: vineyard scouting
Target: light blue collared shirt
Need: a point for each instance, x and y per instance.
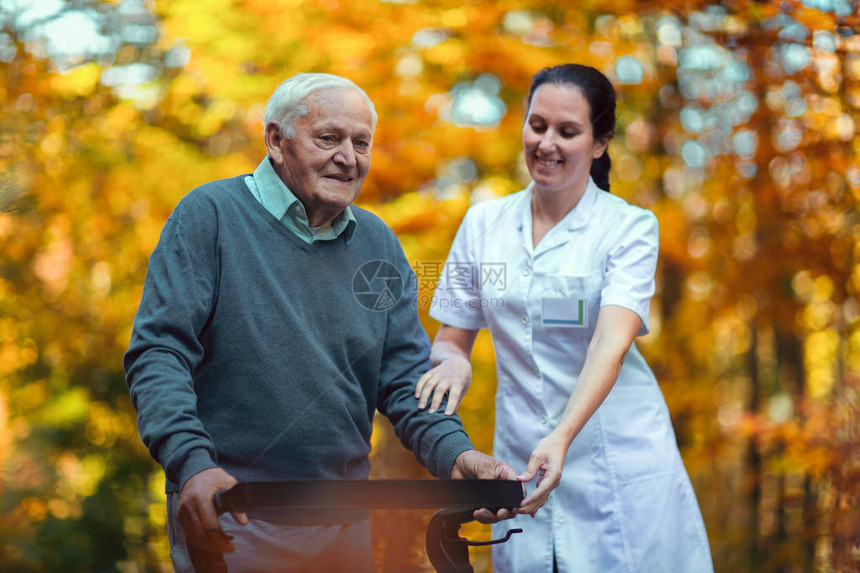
(268, 188)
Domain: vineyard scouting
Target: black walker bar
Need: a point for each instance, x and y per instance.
(447, 551)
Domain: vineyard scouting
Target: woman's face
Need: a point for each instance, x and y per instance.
(558, 141)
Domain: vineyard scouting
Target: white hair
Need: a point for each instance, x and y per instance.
(288, 102)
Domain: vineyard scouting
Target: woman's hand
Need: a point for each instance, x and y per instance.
(546, 463)
(614, 333)
(451, 376)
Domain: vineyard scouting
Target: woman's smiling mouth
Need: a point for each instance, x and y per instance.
(548, 162)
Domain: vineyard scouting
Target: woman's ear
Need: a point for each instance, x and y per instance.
(599, 146)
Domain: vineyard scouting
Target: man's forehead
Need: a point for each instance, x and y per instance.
(338, 107)
(336, 97)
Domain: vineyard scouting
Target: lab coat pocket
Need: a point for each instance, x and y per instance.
(569, 304)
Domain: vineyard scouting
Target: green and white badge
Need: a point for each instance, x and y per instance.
(564, 313)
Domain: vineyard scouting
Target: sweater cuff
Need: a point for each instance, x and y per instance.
(198, 460)
(448, 450)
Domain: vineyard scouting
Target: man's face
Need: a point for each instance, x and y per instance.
(324, 164)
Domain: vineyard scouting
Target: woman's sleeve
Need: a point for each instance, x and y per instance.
(457, 299)
(631, 264)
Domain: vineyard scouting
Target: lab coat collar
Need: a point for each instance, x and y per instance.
(575, 219)
(581, 213)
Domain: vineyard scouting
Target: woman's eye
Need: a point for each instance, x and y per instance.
(538, 128)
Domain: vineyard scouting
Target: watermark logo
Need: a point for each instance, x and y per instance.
(460, 285)
(455, 275)
(377, 285)
(495, 274)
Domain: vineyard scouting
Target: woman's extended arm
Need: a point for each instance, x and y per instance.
(451, 372)
(614, 333)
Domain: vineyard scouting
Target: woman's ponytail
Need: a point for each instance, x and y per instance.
(600, 170)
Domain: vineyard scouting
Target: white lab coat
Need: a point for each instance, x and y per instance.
(625, 502)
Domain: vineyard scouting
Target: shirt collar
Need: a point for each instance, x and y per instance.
(579, 216)
(575, 218)
(277, 198)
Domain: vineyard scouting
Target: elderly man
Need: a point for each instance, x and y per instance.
(252, 359)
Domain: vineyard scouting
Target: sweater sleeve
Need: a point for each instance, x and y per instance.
(435, 439)
(165, 349)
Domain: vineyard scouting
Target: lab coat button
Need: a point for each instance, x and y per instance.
(543, 420)
(524, 320)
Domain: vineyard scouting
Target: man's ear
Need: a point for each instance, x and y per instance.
(274, 142)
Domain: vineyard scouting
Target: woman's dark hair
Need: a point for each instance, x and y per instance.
(599, 93)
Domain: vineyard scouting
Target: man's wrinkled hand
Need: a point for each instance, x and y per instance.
(473, 464)
(196, 512)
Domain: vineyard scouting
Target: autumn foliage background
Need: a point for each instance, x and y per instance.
(737, 126)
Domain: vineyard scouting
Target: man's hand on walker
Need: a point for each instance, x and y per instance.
(197, 514)
(473, 464)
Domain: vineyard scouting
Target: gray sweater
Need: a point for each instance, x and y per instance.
(251, 352)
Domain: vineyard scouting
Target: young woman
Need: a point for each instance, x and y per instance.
(576, 404)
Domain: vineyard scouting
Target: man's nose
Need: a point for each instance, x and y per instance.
(345, 154)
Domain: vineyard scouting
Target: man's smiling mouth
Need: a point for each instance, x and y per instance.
(341, 178)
